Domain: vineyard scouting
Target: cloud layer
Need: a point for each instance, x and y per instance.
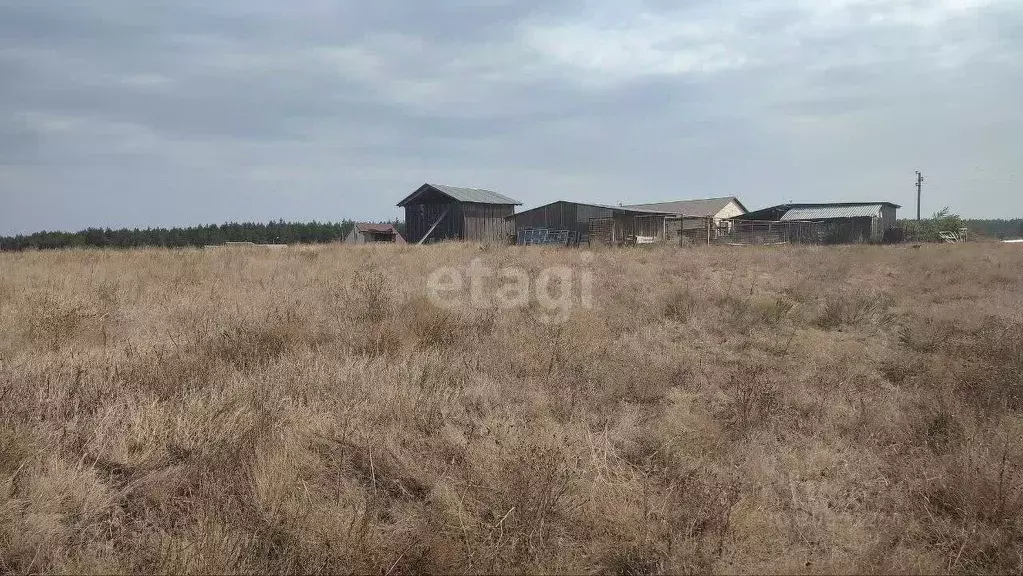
(119, 113)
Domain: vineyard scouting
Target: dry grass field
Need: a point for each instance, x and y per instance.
(781, 410)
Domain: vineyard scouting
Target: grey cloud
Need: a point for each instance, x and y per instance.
(124, 113)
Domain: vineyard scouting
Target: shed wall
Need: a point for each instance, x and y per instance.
(562, 215)
(556, 216)
(888, 217)
(354, 237)
(420, 217)
(487, 222)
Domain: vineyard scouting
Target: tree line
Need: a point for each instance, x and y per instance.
(1000, 229)
(279, 232)
(927, 230)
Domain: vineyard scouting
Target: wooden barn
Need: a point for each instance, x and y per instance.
(603, 224)
(607, 224)
(366, 233)
(435, 212)
(832, 222)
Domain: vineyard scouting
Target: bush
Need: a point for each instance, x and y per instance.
(839, 310)
(927, 230)
(754, 399)
(680, 306)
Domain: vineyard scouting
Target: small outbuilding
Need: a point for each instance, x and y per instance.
(366, 233)
(436, 212)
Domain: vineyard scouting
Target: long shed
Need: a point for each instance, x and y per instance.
(436, 212)
(841, 221)
(584, 220)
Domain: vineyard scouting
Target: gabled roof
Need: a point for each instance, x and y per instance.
(380, 229)
(473, 195)
(376, 228)
(633, 209)
(828, 212)
(707, 207)
(818, 211)
(825, 204)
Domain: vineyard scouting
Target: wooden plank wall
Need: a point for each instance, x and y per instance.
(600, 231)
(420, 217)
(486, 222)
(888, 218)
(562, 215)
(556, 216)
(649, 226)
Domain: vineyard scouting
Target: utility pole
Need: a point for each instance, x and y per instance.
(919, 192)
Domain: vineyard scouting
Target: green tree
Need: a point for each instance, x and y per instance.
(276, 232)
(929, 230)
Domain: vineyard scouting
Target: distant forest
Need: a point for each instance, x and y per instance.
(1001, 229)
(282, 232)
(279, 232)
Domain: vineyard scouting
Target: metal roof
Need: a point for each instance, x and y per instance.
(630, 209)
(828, 212)
(376, 228)
(620, 209)
(473, 195)
(707, 207)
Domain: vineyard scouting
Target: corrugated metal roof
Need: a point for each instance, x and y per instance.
(828, 212)
(476, 195)
(636, 209)
(707, 207)
(776, 212)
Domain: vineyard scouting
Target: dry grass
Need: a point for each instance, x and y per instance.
(753, 410)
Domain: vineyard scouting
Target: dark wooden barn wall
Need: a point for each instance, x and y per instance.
(487, 222)
(584, 213)
(465, 221)
(556, 216)
(562, 216)
(420, 217)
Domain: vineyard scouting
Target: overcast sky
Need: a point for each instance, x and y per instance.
(129, 113)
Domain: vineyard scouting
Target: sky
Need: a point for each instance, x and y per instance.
(123, 113)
